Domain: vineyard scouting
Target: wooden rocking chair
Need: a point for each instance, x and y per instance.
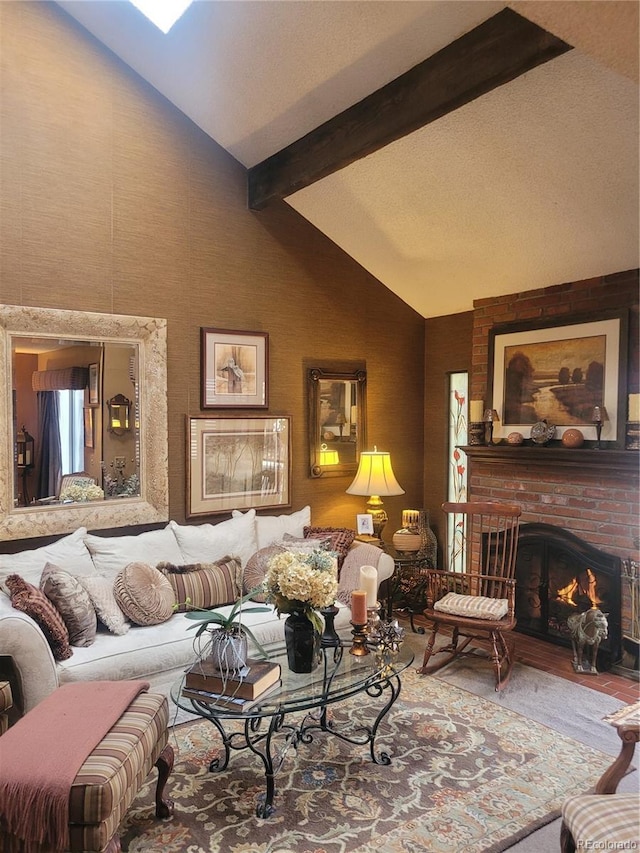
(475, 598)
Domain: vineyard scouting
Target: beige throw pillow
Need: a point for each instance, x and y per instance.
(101, 593)
(144, 594)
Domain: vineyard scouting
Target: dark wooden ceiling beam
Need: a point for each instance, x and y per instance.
(499, 50)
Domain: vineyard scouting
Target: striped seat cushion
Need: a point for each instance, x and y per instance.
(113, 774)
(473, 606)
(596, 820)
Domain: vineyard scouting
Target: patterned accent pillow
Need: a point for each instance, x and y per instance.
(73, 603)
(30, 600)
(205, 585)
(256, 569)
(100, 591)
(474, 606)
(341, 539)
(144, 594)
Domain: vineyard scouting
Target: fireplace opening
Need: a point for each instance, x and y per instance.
(557, 575)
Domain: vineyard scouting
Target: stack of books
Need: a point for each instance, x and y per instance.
(232, 691)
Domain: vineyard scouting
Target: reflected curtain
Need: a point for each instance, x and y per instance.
(49, 469)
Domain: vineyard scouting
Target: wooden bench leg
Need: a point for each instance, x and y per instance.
(164, 805)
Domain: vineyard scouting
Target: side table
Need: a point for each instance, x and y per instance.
(406, 588)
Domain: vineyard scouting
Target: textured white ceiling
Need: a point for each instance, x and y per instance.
(534, 184)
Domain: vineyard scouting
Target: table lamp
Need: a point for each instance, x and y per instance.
(375, 478)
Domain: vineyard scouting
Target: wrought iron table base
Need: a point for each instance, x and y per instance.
(260, 739)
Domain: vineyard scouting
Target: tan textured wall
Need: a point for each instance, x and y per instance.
(111, 200)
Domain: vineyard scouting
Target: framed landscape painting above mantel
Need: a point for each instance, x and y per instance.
(559, 371)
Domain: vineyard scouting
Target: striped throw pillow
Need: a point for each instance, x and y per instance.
(205, 585)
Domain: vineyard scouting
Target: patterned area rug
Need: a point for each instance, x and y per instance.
(465, 774)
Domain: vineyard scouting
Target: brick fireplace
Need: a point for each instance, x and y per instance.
(594, 495)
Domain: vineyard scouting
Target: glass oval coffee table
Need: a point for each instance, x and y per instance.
(290, 714)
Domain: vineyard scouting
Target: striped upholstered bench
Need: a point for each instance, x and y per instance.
(112, 775)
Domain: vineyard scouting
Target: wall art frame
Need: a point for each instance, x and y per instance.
(234, 369)
(559, 370)
(89, 440)
(94, 386)
(238, 463)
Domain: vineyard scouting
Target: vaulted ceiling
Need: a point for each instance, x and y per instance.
(456, 150)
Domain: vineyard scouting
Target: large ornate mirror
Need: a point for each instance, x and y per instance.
(337, 420)
(61, 370)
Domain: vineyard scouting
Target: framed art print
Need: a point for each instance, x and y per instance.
(559, 371)
(237, 463)
(234, 369)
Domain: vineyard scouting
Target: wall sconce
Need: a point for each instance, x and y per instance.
(491, 417)
(119, 409)
(599, 416)
(375, 477)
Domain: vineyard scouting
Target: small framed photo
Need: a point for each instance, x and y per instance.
(94, 390)
(365, 523)
(234, 369)
(237, 463)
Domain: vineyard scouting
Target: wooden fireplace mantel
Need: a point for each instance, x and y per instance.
(555, 456)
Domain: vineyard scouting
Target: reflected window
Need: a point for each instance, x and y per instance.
(71, 428)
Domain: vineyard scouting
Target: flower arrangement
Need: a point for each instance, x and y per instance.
(82, 492)
(302, 582)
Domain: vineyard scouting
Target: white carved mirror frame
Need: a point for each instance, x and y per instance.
(149, 335)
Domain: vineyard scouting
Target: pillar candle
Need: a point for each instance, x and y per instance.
(634, 407)
(410, 517)
(369, 583)
(476, 411)
(359, 607)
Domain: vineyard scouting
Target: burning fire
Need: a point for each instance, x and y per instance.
(576, 588)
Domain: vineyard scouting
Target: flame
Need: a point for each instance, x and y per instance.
(590, 589)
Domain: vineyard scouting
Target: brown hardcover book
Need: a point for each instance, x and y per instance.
(226, 702)
(248, 683)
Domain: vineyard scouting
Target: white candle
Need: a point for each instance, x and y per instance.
(634, 407)
(369, 583)
(476, 411)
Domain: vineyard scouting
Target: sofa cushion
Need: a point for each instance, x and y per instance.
(100, 591)
(341, 539)
(73, 603)
(204, 585)
(144, 594)
(112, 553)
(206, 543)
(70, 553)
(271, 528)
(473, 606)
(30, 600)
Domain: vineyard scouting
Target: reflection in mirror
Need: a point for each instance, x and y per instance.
(60, 370)
(59, 386)
(337, 421)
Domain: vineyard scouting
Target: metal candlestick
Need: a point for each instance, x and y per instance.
(329, 638)
(359, 634)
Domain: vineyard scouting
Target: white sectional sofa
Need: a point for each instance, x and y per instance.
(158, 653)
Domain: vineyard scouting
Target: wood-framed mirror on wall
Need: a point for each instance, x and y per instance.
(337, 420)
(87, 356)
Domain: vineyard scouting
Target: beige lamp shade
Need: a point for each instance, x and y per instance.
(375, 475)
(328, 457)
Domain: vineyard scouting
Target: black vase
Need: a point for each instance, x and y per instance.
(303, 643)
